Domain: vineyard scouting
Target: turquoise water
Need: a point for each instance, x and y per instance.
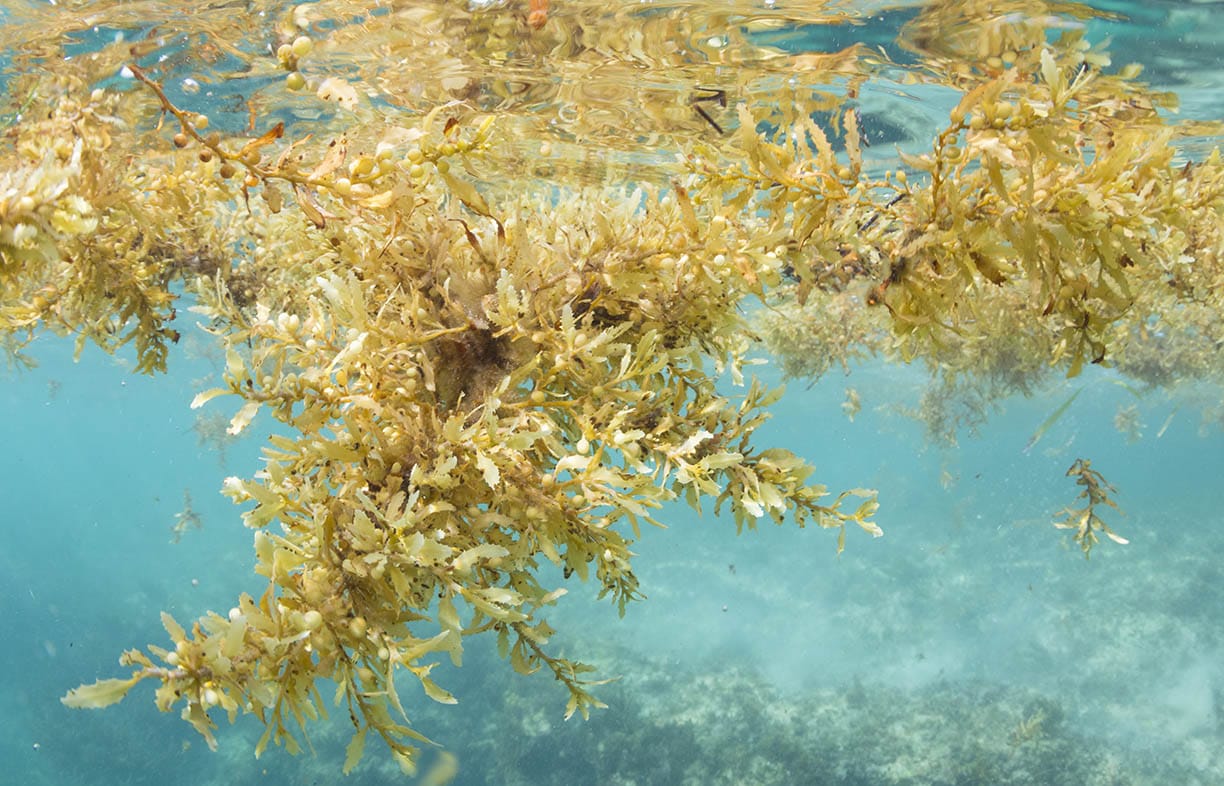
(972, 644)
(970, 612)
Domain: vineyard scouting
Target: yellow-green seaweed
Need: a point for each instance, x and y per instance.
(490, 288)
(1085, 520)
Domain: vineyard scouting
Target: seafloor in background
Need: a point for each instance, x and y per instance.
(971, 645)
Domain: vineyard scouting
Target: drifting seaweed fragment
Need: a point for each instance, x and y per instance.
(1050, 421)
(1085, 520)
(185, 519)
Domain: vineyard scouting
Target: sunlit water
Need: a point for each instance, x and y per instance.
(971, 644)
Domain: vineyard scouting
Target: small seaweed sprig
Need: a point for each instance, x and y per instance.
(1085, 520)
(185, 519)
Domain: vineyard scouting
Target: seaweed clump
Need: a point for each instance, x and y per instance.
(1055, 223)
(489, 357)
(475, 387)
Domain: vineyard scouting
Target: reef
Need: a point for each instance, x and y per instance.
(728, 725)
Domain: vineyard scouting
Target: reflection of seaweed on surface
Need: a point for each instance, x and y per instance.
(185, 519)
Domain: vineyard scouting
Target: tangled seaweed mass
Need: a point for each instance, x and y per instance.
(485, 264)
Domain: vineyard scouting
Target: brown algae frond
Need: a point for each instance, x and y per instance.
(475, 386)
(1085, 520)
